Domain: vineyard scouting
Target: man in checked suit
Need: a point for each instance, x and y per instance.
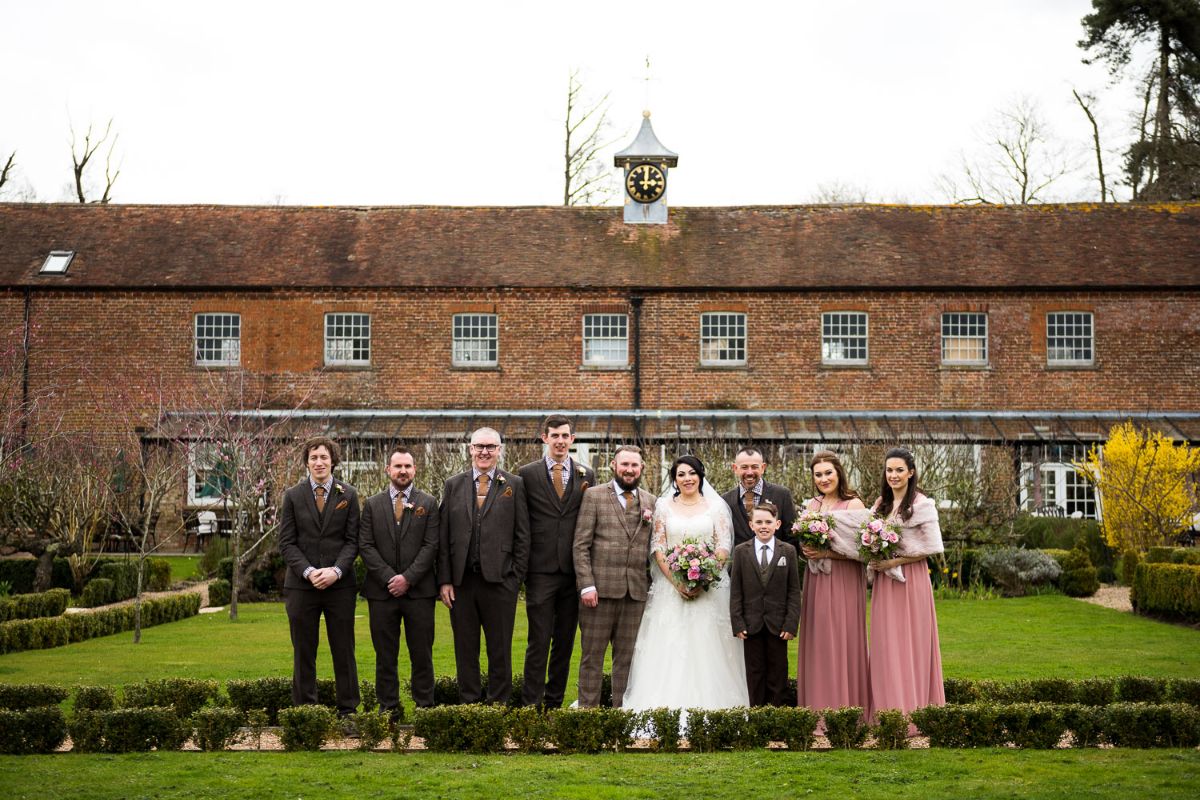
(398, 541)
(749, 467)
(482, 558)
(318, 538)
(554, 487)
(612, 549)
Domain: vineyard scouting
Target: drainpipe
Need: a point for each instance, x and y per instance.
(25, 369)
(636, 303)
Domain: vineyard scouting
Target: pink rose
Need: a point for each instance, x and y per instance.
(693, 574)
(875, 525)
(819, 527)
(891, 537)
(695, 562)
(866, 539)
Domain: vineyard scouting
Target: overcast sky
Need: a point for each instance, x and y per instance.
(462, 103)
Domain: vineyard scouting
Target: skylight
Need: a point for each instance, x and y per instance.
(57, 262)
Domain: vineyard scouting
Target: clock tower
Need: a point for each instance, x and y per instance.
(646, 163)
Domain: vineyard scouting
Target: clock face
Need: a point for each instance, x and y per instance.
(645, 183)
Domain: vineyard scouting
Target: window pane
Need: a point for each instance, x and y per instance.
(964, 338)
(723, 338)
(218, 339)
(844, 337)
(1069, 338)
(605, 339)
(475, 339)
(347, 339)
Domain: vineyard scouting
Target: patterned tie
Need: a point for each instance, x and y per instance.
(748, 502)
(763, 562)
(320, 491)
(628, 499)
(399, 507)
(481, 495)
(559, 484)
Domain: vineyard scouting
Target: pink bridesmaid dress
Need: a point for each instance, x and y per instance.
(831, 668)
(906, 659)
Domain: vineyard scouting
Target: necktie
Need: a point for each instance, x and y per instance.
(399, 507)
(628, 499)
(559, 486)
(320, 491)
(481, 495)
(762, 561)
(748, 502)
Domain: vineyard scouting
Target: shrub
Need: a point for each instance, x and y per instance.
(225, 569)
(31, 606)
(33, 730)
(1015, 570)
(1184, 690)
(972, 725)
(1095, 691)
(467, 728)
(1169, 590)
(1129, 562)
(95, 698)
(19, 574)
(1137, 689)
(795, 727)
(890, 730)
(20, 696)
(127, 730)
(185, 695)
(98, 592)
(1078, 578)
(1185, 555)
(158, 574)
(1159, 555)
(269, 694)
(218, 549)
(845, 727)
(960, 690)
(372, 727)
(123, 575)
(1037, 726)
(305, 727)
(370, 701)
(724, 729)
(216, 728)
(590, 730)
(1085, 722)
(1148, 725)
(1052, 690)
(256, 721)
(219, 592)
(529, 728)
(662, 728)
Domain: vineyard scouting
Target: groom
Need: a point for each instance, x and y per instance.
(612, 546)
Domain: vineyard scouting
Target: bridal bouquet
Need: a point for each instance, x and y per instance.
(879, 540)
(694, 564)
(814, 528)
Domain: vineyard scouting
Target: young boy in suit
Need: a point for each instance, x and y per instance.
(764, 606)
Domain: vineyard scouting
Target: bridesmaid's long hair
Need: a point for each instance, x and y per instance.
(885, 491)
(845, 492)
(692, 462)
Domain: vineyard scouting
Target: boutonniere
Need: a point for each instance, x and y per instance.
(341, 505)
(507, 492)
(420, 512)
(580, 471)
(338, 488)
(647, 515)
(500, 480)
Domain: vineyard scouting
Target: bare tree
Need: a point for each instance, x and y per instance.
(586, 179)
(1019, 164)
(837, 191)
(6, 173)
(82, 155)
(1086, 101)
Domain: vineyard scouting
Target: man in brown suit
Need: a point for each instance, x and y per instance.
(612, 549)
(482, 558)
(318, 538)
(398, 541)
(749, 467)
(764, 606)
(554, 487)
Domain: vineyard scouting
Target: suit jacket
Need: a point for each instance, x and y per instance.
(774, 605)
(552, 521)
(503, 533)
(780, 496)
(417, 534)
(308, 539)
(611, 554)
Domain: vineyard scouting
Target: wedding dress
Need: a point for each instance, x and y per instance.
(686, 655)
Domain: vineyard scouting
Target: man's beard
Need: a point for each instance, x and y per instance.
(627, 487)
(400, 488)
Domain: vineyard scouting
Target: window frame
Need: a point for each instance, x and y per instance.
(1077, 316)
(590, 360)
(455, 341)
(726, 331)
(829, 339)
(965, 337)
(350, 339)
(216, 322)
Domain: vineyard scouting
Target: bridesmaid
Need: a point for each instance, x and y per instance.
(906, 662)
(831, 669)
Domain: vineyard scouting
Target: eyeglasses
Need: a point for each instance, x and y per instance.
(485, 448)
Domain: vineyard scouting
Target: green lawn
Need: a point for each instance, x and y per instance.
(182, 567)
(1117, 774)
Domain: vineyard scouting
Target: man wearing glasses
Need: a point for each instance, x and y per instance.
(482, 560)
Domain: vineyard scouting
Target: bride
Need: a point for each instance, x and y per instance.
(686, 655)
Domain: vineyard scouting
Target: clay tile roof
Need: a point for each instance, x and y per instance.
(853, 246)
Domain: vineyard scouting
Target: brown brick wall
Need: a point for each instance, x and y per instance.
(105, 353)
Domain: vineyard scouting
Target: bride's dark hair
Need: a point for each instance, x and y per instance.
(692, 462)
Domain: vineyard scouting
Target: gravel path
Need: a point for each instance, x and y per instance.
(1111, 596)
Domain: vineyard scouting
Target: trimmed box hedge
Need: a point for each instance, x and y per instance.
(47, 632)
(1167, 590)
(51, 603)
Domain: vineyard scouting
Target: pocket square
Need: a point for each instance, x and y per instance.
(419, 511)
(782, 561)
(341, 505)
(507, 492)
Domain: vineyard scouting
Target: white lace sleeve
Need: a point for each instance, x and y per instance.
(722, 528)
(658, 537)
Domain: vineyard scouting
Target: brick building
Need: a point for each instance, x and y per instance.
(1032, 329)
